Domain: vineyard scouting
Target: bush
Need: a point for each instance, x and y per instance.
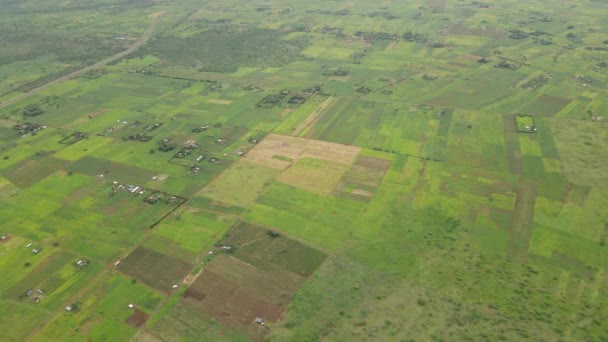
(32, 110)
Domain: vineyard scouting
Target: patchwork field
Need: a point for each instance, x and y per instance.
(363, 177)
(255, 278)
(312, 165)
(279, 151)
(303, 171)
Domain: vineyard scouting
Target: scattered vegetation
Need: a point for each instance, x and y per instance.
(221, 50)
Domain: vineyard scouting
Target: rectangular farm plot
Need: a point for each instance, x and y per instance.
(379, 125)
(312, 165)
(112, 170)
(241, 184)
(485, 185)
(236, 293)
(362, 179)
(189, 233)
(154, 269)
(281, 151)
(262, 247)
(522, 221)
(315, 175)
(257, 278)
(30, 172)
(546, 105)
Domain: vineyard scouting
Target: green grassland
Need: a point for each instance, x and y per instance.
(241, 184)
(103, 309)
(454, 221)
(189, 233)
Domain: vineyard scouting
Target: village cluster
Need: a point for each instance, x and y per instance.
(151, 196)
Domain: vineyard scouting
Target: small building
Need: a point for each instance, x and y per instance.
(81, 263)
(259, 320)
(531, 128)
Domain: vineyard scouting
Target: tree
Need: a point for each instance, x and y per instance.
(32, 110)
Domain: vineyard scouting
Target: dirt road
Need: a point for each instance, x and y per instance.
(141, 41)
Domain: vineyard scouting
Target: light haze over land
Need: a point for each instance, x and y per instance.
(272, 170)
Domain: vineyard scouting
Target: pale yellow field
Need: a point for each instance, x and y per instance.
(295, 148)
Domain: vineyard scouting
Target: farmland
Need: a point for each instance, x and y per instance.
(301, 171)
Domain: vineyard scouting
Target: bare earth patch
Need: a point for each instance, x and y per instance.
(220, 101)
(314, 175)
(236, 293)
(312, 165)
(137, 319)
(294, 148)
(362, 192)
(257, 279)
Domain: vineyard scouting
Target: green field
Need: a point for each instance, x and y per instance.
(345, 170)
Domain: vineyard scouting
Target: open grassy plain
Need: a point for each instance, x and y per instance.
(345, 170)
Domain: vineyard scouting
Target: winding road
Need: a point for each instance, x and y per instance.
(141, 41)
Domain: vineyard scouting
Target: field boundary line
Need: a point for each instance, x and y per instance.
(522, 221)
(313, 117)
